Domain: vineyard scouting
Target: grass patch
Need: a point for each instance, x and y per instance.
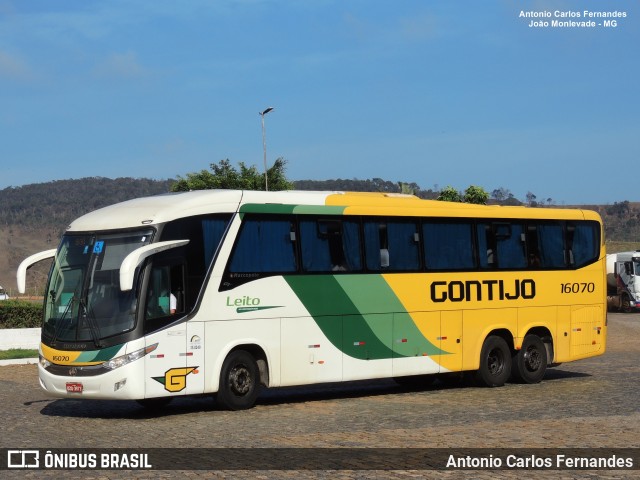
(14, 353)
(615, 247)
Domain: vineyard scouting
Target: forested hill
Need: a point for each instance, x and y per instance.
(32, 217)
(54, 205)
(369, 185)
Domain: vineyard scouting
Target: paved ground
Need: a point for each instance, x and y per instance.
(591, 403)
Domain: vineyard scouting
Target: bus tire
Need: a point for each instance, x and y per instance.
(530, 362)
(239, 381)
(495, 362)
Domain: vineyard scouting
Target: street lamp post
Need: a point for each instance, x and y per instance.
(264, 146)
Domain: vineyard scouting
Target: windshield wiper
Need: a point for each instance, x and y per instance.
(90, 318)
(57, 329)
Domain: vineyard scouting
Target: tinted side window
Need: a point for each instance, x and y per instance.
(545, 245)
(212, 231)
(392, 245)
(330, 245)
(264, 245)
(583, 242)
(448, 246)
(502, 245)
(165, 293)
(204, 234)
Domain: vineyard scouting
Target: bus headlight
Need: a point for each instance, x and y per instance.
(44, 363)
(129, 357)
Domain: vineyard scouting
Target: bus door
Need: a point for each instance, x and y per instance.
(165, 366)
(169, 368)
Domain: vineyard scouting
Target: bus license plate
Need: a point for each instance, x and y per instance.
(74, 388)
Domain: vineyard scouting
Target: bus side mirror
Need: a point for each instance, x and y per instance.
(135, 258)
(27, 262)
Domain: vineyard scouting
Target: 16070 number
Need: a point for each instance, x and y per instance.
(588, 287)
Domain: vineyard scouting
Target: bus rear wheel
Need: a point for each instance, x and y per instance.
(495, 362)
(239, 381)
(530, 362)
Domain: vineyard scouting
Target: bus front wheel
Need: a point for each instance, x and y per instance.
(530, 362)
(495, 362)
(239, 381)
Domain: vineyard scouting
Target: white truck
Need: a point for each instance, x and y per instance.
(3, 294)
(623, 281)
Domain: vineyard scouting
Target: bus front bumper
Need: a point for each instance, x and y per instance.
(124, 383)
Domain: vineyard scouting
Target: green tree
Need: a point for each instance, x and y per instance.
(501, 194)
(223, 175)
(449, 194)
(408, 188)
(472, 194)
(475, 194)
(619, 209)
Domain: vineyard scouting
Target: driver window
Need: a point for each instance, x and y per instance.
(165, 295)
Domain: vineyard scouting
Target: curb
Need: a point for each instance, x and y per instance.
(19, 361)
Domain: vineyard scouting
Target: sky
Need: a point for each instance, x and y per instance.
(436, 92)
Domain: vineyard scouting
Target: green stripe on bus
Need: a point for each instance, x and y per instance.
(99, 355)
(375, 295)
(358, 314)
(277, 208)
(318, 210)
(282, 209)
(338, 318)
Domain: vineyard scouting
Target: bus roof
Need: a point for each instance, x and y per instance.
(166, 207)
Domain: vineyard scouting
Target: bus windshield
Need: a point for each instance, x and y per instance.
(84, 300)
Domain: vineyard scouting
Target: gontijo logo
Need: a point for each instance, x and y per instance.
(175, 379)
(474, 290)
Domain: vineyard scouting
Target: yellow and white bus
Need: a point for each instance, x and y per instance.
(226, 292)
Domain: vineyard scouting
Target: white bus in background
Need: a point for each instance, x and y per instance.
(623, 281)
